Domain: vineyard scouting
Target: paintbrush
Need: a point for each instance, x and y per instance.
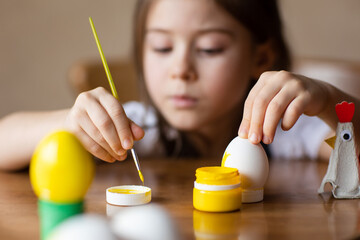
(113, 89)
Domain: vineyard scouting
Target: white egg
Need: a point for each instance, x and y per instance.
(148, 222)
(253, 165)
(83, 227)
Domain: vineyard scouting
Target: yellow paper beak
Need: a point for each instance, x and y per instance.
(331, 141)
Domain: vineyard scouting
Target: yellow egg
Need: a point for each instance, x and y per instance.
(61, 170)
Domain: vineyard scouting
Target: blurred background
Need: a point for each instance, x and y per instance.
(40, 41)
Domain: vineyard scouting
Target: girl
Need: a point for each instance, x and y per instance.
(197, 61)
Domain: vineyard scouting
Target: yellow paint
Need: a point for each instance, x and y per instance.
(217, 175)
(217, 200)
(331, 141)
(124, 191)
(226, 155)
(61, 170)
(141, 177)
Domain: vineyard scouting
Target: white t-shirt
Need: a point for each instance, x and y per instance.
(303, 140)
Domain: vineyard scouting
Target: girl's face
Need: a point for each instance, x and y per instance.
(198, 62)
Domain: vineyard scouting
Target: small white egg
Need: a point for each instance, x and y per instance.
(148, 222)
(253, 165)
(83, 227)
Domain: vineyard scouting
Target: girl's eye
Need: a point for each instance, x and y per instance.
(162, 50)
(211, 51)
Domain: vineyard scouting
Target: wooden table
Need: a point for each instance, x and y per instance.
(292, 209)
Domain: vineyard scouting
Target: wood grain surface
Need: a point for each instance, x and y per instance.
(291, 209)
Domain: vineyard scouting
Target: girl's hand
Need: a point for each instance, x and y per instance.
(279, 95)
(99, 121)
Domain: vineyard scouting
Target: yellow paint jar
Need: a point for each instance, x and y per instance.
(217, 189)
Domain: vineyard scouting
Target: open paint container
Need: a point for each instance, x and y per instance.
(128, 195)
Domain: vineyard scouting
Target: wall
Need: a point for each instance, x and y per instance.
(41, 39)
(323, 28)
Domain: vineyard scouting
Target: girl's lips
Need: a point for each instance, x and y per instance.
(183, 101)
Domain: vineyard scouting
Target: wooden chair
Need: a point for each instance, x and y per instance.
(345, 75)
(87, 75)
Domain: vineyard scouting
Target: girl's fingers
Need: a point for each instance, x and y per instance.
(119, 119)
(87, 127)
(275, 110)
(279, 95)
(260, 106)
(123, 130)
(101, 128)
(293, 112)
(244, 128)
(99, 121)
(93, 147)
(246, 119)
(137, 132)
(257, 118)
(248, 107)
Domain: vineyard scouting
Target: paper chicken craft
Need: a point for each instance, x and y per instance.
(343, 168)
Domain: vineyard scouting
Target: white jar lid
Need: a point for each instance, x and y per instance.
(128, 195)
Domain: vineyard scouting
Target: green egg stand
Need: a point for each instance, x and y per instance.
(52, 214)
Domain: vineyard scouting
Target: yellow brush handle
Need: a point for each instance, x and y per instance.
(106, 67)
(112, 85)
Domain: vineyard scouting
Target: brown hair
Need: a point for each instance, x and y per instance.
(260, 17)
(140, 15)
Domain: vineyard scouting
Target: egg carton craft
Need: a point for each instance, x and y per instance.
(343, 168)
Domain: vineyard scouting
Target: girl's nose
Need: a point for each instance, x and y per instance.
(183, 69)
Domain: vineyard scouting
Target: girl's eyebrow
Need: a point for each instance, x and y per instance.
(200, 32)
(157, 30)
(217, 30)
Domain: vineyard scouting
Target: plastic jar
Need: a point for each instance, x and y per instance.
(217, 189)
